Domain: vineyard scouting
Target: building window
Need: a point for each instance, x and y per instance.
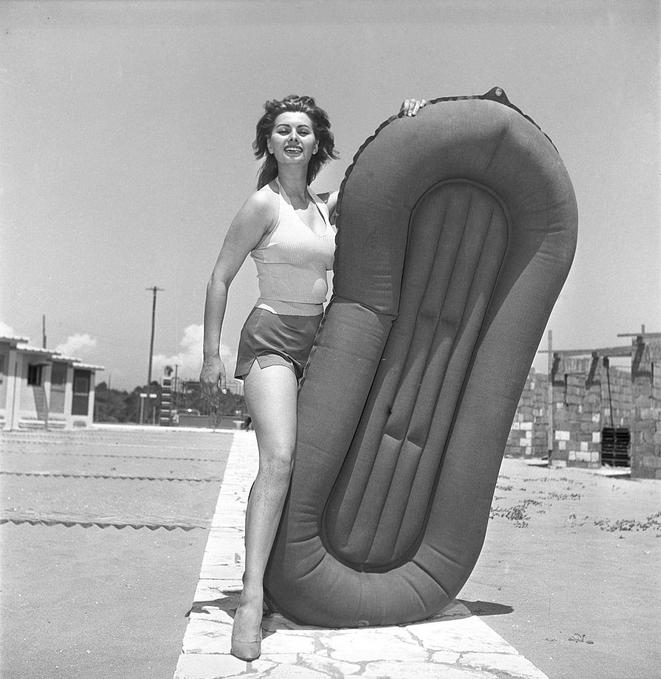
(35, 374)
(58, 382)
(58, 374)
(81, 392)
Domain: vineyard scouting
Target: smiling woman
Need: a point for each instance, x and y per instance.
(320, 127)
(289, 232)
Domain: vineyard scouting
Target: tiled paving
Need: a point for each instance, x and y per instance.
(453, 645)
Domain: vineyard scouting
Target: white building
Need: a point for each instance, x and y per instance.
(43, 389)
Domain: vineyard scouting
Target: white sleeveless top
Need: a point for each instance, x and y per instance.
(292, 262)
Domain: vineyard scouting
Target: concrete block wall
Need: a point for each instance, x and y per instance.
(581, 408)
(576, 413)
(646, 424)
(528, 435)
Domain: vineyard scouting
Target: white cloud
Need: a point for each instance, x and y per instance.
(6, 330)
(189, 359)
(77, 345)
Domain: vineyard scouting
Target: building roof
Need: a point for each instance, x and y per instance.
(88, 366)
(36, 350)
(21, 344)
(13, 339)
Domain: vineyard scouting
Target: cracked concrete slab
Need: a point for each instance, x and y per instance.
(454, 644)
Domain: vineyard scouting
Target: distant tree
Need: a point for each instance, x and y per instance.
(113, 405)
(110, 405)
(191, 396)
(149, 406)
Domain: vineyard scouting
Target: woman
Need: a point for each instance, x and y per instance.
(289, 231)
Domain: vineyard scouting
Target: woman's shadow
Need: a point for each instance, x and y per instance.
(274, 621)
(229, 602)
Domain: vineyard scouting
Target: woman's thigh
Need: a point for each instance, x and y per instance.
(271, 396)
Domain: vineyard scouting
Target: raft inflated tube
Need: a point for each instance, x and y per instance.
(457, 229)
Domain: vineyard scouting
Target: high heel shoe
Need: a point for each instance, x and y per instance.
(246, 649)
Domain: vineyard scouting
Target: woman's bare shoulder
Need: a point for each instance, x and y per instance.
(261, 204)
(263, 198)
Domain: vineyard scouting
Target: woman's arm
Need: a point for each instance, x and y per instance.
(252, 221)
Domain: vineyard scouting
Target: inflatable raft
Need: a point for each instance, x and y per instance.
(456, 232)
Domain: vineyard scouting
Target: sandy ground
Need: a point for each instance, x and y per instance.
(108, 602)
(568, 574)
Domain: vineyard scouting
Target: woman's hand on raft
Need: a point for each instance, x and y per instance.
(410, 107)
(213, 379)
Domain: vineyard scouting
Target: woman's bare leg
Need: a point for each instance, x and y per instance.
(271, 395)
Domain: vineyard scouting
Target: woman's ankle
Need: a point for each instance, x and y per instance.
(251, 595)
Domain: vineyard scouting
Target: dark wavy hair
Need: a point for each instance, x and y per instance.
(321, 127)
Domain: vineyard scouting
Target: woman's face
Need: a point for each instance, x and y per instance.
(292, 140)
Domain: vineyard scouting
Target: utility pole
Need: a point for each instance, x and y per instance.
(43, 330)
(155, 289)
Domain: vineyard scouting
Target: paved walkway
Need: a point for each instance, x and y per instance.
(453, 645)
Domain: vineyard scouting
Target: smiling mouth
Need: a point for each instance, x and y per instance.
(293, 149)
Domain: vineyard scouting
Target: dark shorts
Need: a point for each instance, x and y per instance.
(275, 339)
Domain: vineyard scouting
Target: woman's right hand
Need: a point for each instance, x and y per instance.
(213, 379)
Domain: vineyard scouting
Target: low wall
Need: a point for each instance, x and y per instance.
(589, 395)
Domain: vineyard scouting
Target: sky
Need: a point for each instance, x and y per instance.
(126, 148)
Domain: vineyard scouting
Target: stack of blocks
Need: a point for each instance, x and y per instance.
(646, 425)
(528, 436)
(587, 397)
(577, 412)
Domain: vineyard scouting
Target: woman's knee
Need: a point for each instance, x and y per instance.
(277, 458)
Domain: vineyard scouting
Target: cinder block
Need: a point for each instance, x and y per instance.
(571, 456)
(596, 437)
(652, 461)
(584, 446)
(582, 457)
(562, 435)
(562, 445)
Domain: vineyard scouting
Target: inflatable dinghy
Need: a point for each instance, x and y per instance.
(456, 232)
